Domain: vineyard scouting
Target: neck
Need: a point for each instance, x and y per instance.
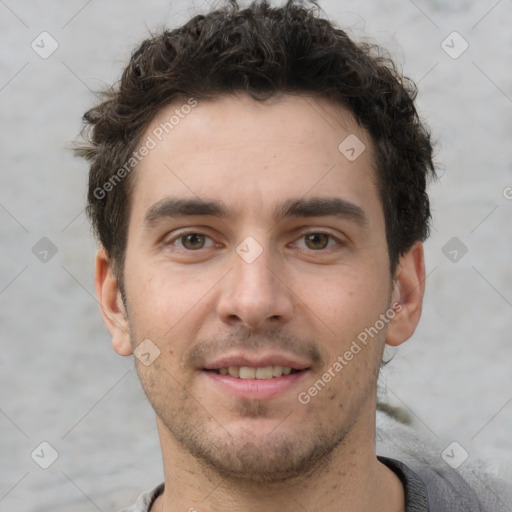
(351, 480)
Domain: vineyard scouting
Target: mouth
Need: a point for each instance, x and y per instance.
(257, 378)
(260, 373)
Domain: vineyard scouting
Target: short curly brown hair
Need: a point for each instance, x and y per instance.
(262, 51)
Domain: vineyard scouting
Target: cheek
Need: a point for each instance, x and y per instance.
(167, 306)
(347, 302)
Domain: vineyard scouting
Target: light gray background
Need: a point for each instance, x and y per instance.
(61, 383)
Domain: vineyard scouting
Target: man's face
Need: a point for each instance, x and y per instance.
(255, 243)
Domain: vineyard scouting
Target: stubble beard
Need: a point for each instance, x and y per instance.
(265, 458)
(269, 457)
(275, 456)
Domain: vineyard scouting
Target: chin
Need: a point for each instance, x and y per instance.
(257, 453)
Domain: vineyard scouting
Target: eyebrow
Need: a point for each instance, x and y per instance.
(173, 207)
(323, 207)
(313, 207)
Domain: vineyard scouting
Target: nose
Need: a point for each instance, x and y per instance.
(254, 293)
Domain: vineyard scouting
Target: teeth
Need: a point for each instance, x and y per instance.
(261, 373)
(277, 371)
(264, 373)
(234, 371)
(247, 373)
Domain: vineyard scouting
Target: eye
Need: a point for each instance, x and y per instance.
(316, 241)
(193, 241)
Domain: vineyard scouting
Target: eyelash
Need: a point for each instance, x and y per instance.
(181, 236)
(333, 241)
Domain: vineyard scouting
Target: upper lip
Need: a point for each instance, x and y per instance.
(256, 360)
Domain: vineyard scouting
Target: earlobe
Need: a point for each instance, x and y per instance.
(111, 304)
(408, 291)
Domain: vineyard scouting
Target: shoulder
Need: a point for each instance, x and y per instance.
(145, 500)
(466, 488)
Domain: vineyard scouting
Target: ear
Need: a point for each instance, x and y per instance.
(111, 304)
(408, 290)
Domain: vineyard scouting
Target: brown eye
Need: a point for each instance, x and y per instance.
(317, 241)
(193, 241)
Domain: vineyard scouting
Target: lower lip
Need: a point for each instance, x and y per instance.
(256, 389)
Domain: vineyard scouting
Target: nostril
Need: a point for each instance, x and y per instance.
(233, 318)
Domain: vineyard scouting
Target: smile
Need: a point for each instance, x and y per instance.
(260, 373)
(261, 383)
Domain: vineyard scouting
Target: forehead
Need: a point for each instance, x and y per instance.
(251, 154)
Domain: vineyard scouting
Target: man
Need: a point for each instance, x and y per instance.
(258, 187)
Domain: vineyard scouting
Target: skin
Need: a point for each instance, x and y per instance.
(309, 297)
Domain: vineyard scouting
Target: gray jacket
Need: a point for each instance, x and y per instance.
(428, 490)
